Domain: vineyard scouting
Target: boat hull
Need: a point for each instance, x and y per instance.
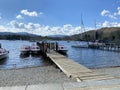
(35, 49)
(5, 55)
(62, 51)
(25, 49)
(25, 52)
(35, 52)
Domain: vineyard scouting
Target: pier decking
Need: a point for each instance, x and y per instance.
(69, 67)
(106, 46)
(75, 70)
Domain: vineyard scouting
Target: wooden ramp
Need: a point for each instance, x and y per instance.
(69, 67)
(75, 70)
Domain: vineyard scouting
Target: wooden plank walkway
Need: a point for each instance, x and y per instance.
(75, 70)
(69, 67)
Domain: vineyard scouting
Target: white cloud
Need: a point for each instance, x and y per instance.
(118, 10)
(105, 24)
(105, 12)
(0, 17)
(114, 15)
(36, 28)
(31, 14)
(19, 16)
(14, 24)
(110, 24)
(2, 28)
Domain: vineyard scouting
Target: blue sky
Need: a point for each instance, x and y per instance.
(48, 17)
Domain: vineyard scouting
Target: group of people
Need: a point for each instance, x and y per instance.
(48, 46)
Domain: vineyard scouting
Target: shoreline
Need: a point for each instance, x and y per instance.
(24, 67)
(44, 75)
(32, 76)
(54, 65)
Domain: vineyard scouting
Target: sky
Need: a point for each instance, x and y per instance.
(58, 17)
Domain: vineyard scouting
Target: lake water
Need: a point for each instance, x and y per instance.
(90, 58)
(14, 59)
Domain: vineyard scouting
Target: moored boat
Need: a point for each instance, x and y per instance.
(62, 49)
(25, 49)
(35, 49)
(3, 53)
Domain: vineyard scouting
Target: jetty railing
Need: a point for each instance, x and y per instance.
(48, 46)
(105, 46)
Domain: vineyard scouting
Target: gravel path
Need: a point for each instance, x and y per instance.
(43, 75)
(31, 76)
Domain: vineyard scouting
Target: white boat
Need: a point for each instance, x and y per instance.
(25, 49)
(3, 53)
(62, 49)
(35, 49)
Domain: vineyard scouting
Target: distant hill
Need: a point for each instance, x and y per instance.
(28, 36)
(106, 34)
(57, 36)
(6, 33)
(17, 33)
(18, 36)
(22, 33)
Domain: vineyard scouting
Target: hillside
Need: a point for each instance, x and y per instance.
(106, 34)
(18, 36)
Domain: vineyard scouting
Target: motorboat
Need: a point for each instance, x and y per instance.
(62, 49)
(35, 49)
(3, 53)
(25, 49)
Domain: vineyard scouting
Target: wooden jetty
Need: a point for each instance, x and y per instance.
(69, 67)
(105, 46)
(73, 69)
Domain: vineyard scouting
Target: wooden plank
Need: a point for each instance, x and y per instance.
(71, 65)
(75, 70)
(95, 77)
(68, 66)
(87, 74)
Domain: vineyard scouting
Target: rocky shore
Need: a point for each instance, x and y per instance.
(31, 76)
(44, 75)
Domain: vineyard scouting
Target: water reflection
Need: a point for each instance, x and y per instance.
(35, 55)
(92, 58)
(3, 61)
(24, 55)
(16, 59)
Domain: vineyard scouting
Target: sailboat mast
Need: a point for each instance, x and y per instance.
(95, 24)
(82, 27)
(95, 37)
